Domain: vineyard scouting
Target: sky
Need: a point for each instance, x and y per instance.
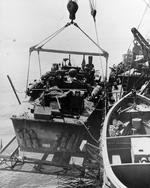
(24, 23)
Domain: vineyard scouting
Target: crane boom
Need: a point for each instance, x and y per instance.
(143, 43)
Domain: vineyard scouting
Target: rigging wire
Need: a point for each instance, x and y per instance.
(93, 13)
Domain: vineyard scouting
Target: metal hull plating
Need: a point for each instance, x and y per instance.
(48, 136)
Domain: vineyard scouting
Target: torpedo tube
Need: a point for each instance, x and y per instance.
(72, 7)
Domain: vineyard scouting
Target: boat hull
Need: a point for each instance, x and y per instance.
(126, 151)
(48, 136)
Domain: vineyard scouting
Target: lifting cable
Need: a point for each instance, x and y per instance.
(105, 54)
(93, 13)
(47, 39)
(93, 9)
